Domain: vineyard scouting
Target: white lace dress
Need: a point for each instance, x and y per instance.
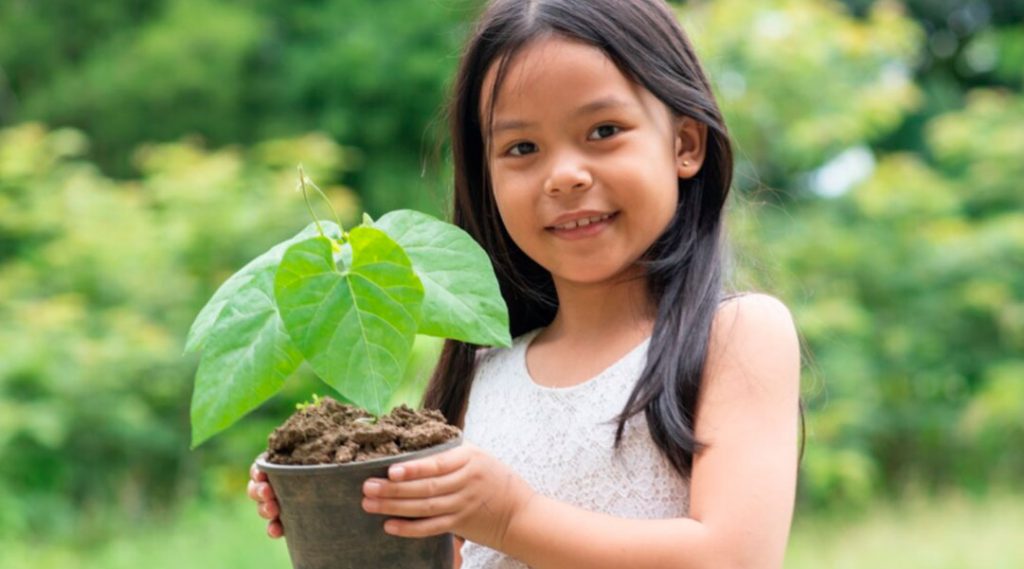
(560, 440)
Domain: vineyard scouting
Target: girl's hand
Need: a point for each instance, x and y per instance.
(259, 489)
(464, 491)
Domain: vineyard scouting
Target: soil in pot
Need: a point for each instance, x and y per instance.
(329, 432)
(317, 462)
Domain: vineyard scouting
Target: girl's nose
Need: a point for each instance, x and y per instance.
(568, 177)
(567, 180)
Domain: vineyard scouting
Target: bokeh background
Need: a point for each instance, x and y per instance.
(148, 150)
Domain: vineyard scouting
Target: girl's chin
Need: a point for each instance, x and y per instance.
(590, 275)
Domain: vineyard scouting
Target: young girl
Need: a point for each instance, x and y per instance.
(642, 418)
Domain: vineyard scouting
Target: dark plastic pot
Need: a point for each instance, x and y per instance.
(325, 524)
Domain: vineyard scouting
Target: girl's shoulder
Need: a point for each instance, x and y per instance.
(754, 313)
(754, 298)
(753, 331)
(757, 308)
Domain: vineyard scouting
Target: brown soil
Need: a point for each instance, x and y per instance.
(331, 432)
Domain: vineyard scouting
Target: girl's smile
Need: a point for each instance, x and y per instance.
(584, 162)
(581, 224)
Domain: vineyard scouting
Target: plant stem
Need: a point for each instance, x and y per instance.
(309, 206)
(305, 195)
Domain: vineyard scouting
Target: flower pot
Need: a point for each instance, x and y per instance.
(327, 528)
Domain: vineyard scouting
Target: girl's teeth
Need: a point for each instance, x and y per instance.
(583, 222)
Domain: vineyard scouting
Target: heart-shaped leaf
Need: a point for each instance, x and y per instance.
(227, 295)
(462, 299)
(246, 361)
(247, 354)
(355, 324)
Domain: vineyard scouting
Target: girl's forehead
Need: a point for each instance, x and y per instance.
(557, 71)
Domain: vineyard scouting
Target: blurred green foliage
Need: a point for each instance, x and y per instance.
(801, 81)
(879, 156)
(369, 74)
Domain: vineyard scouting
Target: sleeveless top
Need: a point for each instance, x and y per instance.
(560, 441)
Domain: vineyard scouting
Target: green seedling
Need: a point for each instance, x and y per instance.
(307, 404)
(349, 303)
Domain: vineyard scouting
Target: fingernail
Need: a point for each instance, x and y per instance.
(371, 488)
(370, 505)
(397, 472)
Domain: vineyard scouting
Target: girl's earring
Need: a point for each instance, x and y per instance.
(686, 163)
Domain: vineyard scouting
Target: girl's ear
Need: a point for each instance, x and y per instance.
(691, 138)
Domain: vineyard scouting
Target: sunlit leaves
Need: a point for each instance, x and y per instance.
(462, 301)
(356, 324)
(350, 309)
(247, 354)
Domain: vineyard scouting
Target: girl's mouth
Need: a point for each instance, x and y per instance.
(582, 228)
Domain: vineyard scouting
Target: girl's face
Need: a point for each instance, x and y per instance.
(584, 163)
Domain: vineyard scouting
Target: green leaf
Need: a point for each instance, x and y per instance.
(356, 325)
(246, 360)
(227, 293)
(247, 354)
(462, 299)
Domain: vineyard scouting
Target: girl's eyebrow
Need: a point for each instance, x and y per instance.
(610, 102)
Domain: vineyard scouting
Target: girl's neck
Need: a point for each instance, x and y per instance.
(600, 313)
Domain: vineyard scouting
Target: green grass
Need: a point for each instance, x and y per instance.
(951, 532)
(954, 532)
(212, 537)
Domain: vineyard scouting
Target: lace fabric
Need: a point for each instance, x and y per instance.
(560, 440)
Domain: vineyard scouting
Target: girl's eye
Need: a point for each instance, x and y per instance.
(522, 148)
(604, 131)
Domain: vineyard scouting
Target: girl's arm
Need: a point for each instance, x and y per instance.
(742, 486)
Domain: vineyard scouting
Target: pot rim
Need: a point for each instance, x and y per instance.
(265, 466)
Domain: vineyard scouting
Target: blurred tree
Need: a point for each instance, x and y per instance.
(370, 74)
(799, 81)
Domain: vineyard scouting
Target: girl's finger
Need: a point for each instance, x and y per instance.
(436, 465)
(251, 490)
(422, 508)
(420, 528)
(425, 488)
(275, 529)
(257, 474)
(268, 510)
(261, 491)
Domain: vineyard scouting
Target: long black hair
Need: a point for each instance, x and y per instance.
(684, 266)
